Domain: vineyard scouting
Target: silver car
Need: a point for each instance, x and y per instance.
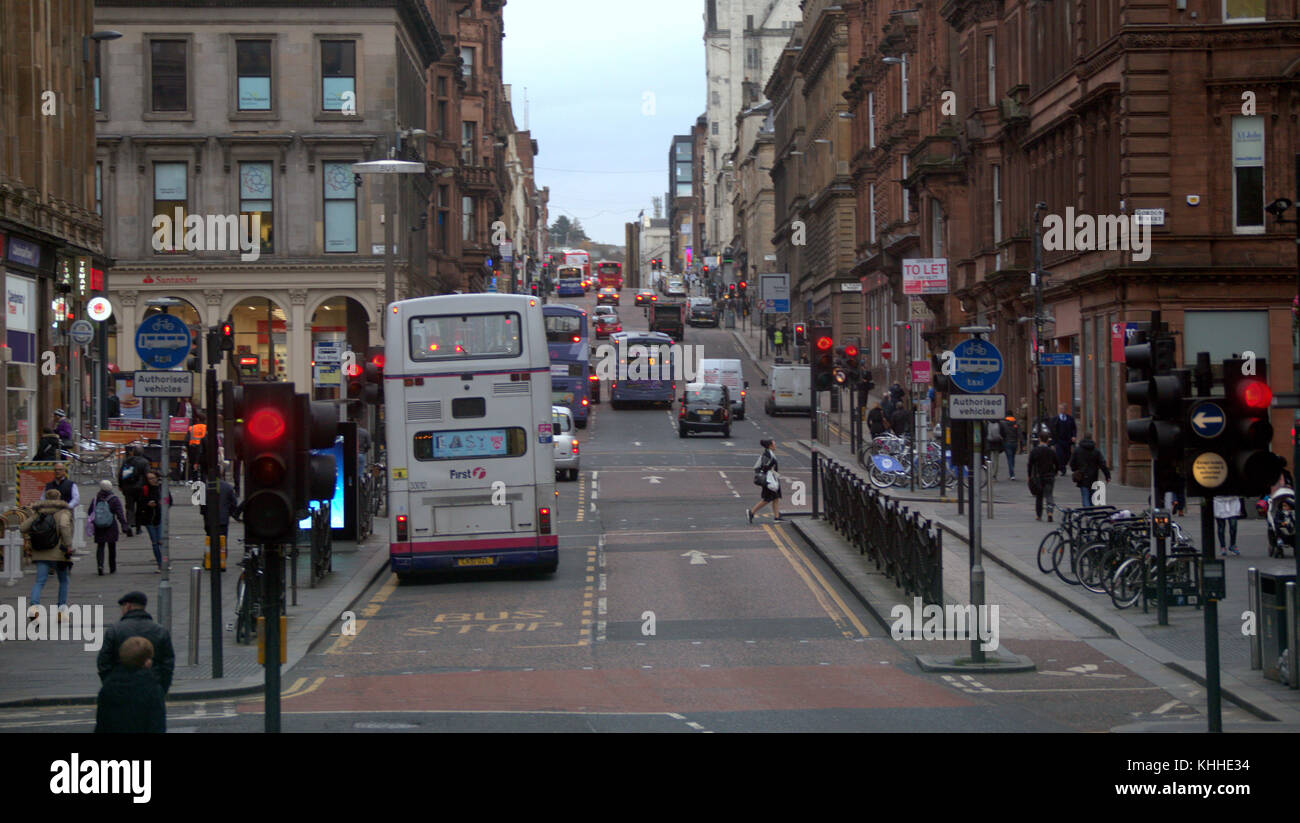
(566, 443)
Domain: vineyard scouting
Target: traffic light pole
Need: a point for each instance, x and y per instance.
(976, 543)
(211, 521)
(1214, 708)
(272, 577)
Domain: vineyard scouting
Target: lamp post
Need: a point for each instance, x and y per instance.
(1040, 395)
(390, 167)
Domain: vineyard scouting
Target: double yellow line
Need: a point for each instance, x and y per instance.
(842, 616)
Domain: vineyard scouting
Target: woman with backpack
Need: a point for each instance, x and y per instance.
(106, 512)
(1087, 463)
(766, 477)
(49, 531)
(148, 513)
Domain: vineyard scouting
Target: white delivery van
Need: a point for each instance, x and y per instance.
(790, 390)
(727, 373)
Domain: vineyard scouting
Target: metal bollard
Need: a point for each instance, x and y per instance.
(1293, 636)
(1253, 603)
(13, 571)
(196, 591)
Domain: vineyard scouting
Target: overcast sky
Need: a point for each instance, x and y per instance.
(590, 67)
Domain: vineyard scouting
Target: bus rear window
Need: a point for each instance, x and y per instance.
(466, 336)
(469, 444)
(560, 328)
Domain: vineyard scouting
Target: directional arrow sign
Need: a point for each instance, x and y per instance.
(1208, 420)
(654, 481)
(699, 558)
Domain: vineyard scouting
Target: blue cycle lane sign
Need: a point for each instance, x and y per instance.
(163, 342)
(1208, 420)
(978, 365)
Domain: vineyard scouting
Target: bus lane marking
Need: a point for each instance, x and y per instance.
(825, 595)
(370, 610)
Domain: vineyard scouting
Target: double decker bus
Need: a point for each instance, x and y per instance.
(566, 338)
(468, 399)
(609, 274)
(645, 369)
(579, 258)
(568, 282)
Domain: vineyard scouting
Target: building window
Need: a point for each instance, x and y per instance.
(99, 102)
(1243, 11)
(936, 229)
(99, 189)
(340, 209)
(255, 198)
(440, 223)
(997, 204)
(993, 70)
(466, 61)
(253, 64)
(170, 200)
(751, 58)
(338, 74)
(1223, 334)
(717, 99)
(871, 120)
(468, 132)
(903, 66)
(167, 75)
(713, 127)
(442, 117)
(1248, 174)
(871, 209)
(907, 202)
(467, 227)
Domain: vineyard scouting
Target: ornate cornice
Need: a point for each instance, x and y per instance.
(1250, 35)
(281, 142)
(963, 13)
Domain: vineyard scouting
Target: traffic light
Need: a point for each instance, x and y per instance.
(823, 358)
(269, 457)
(315, 427)
(1248, 398)
(851, 363)
(373, 391)
(731, 290)
(1152, 385)
(800, 335)
(743, 286)
(356, 383)
(706, 271)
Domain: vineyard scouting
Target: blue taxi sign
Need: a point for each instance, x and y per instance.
(163, 342)
(978, 365)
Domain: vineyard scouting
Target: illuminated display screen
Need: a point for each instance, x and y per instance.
(469, 444)
(337, 512)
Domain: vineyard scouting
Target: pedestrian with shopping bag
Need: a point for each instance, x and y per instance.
(1226, 512)
(769, 481)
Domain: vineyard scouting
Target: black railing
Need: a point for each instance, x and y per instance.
(322, 544)
(907, 548)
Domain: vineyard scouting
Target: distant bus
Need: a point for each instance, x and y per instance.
(570, 353)
(568, 282)
(579, 258)
(469, 409)
(652, 390)
(609, 274)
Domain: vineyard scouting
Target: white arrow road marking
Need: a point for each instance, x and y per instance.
(1084, 669)
(727, 443)
(636, 442)
(699, 558)
(654, 480)
(1172, 704)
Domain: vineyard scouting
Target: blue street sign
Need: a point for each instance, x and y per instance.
(979, 366)
(1208, 420)
(1063, 358)
(162, 341)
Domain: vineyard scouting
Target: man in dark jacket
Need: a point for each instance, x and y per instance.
(1064, 433)
(131, 480)
(876, 423)
(227, 504)
(901, 420)
(130, 701)
(1042, 472)
(1089, 460)
(49, 447)
(136, 622)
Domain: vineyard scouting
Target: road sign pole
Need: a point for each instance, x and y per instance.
(164, 496)
(215, 559)
(1214, 709)
(976, 542)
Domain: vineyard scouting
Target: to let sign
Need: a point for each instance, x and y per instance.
(927, 275)
(920, 371)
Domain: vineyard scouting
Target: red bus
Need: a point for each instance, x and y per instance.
(578, 257)
(609, 273)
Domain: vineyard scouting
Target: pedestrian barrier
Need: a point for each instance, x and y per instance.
(906, 547)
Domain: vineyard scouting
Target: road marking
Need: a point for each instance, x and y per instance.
(371, 609)
(1172, 704)
(588, 594)
(699, 558)
(781, 540)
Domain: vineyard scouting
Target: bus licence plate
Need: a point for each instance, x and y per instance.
(476, 561)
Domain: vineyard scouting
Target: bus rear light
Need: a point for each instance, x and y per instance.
(401, 528)
(577, 339)
(575, 446)
(585, 401)
(544, 520)
(742, 394)
(593, 378)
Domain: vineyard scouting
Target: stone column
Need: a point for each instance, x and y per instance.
(298, 336)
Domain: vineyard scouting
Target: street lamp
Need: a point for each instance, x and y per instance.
(1040, 389)
(98, 37)
(389, 168)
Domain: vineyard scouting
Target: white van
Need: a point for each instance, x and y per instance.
(727, 373)
(790, 390)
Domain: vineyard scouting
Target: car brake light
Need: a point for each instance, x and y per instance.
(401, 528)
(742, 392)
(682, 412)
(584, 401)
(544, 520)
(575, 446)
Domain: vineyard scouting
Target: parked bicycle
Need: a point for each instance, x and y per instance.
(249, 593)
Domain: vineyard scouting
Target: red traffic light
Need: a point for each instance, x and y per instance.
(354, 370)
(824, 343)
(379, 360)
(850, 351)
(266, 425)
(743, 284)
(732, 287)
(1257, 395)
(227, 330)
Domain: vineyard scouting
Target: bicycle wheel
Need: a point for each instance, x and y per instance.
(879, 478)
(929, 474)
(1088, 568)
(1063, 563)
(242, 630)
(1047, 550)
(1111, 560)
(1126, 586)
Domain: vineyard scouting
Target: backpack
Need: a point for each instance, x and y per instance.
(995, 433)
(44, 533)
(103, 514)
